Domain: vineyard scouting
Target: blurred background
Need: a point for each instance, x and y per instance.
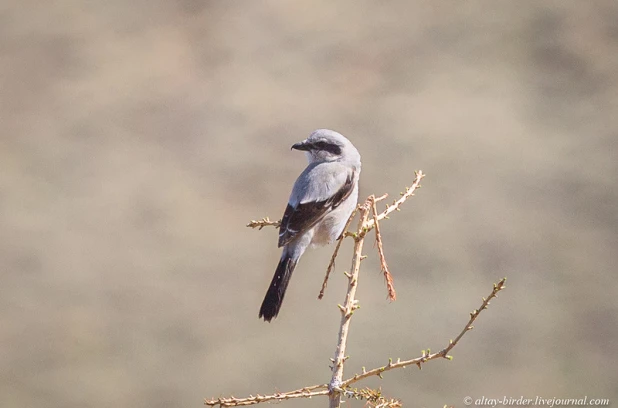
(138, 138)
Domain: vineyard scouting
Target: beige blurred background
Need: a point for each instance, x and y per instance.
(138, 138)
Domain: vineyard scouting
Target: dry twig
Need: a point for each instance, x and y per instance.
(264, 222)
(392, 295)
(306, 392)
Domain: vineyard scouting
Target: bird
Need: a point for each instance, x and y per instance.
(322, 200)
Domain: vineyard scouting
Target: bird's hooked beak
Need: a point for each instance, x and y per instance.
(304, 145)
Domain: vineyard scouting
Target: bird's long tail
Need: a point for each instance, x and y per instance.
(274, 297)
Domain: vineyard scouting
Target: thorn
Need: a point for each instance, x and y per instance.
(349, 275)
(341, 308)
(332, 360)
(363, 257)
(450, 358)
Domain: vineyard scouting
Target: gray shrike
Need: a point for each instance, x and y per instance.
(322, 199)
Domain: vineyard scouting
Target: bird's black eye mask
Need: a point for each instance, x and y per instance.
(328, 147)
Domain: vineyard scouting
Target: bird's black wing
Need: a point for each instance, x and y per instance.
(303, 216)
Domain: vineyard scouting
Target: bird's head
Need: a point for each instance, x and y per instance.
(327, 145)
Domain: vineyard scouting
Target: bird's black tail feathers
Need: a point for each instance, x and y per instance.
(274, 297)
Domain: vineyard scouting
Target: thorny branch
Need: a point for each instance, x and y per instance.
(426, 354)
(337, 386)
(348, 308)
(396, 204)
(232, 401)
(344, 387)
